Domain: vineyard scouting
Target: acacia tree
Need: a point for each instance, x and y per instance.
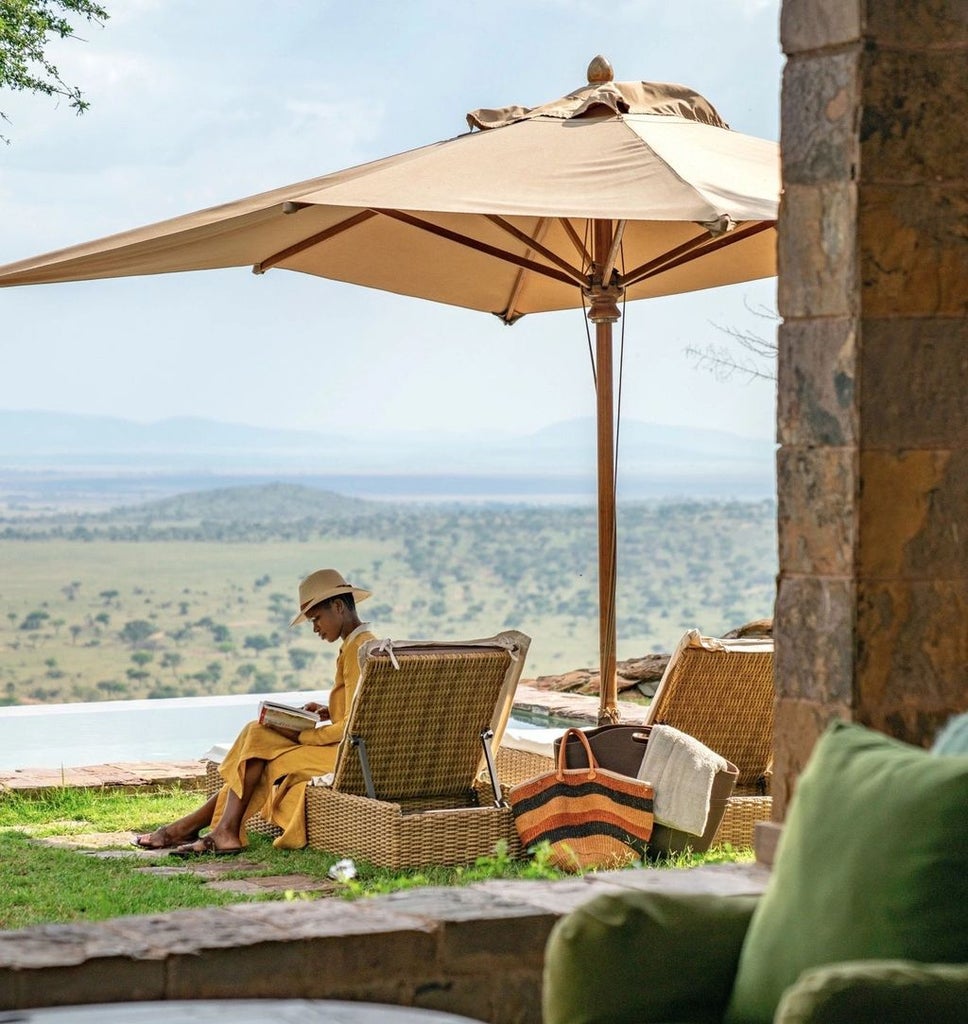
(756, 361)
(26, 28)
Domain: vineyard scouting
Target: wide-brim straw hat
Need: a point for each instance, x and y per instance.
(320, 586)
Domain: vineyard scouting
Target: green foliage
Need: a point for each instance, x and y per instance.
(34, 621)
(258, 642)
(300, 658)
(136, 631)
(26, 27)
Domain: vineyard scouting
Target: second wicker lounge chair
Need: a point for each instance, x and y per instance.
(722, 693)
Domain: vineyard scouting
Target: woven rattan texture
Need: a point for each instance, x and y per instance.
(725, 700)
(212, 783)
(739, 821)
(422, 722)
(514, 766)
(381, 833)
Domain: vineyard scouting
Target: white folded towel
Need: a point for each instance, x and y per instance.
(681, 769)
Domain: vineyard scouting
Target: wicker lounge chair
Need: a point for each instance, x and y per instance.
(721, 692)
(412, 783)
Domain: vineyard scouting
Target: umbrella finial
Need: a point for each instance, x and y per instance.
(600, 70)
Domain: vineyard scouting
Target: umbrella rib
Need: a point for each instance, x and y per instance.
(691, 250)
(519, 279)
(609, 264)
(535, 246)
(473, 243)
(308, 243)
(576, 241)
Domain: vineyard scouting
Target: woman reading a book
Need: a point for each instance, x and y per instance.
(265, 754)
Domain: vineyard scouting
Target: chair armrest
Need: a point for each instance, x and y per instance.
(645, 957)
(877, 991)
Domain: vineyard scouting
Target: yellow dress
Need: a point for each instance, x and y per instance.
(289, 764)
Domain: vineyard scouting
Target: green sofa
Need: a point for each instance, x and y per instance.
(863, 920)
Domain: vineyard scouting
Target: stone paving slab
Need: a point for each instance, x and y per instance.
(264, 885)
(128, 775)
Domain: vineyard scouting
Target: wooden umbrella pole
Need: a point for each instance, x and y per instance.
(608, 709)
(603, 312)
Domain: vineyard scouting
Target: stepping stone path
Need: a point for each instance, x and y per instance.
(211, 869)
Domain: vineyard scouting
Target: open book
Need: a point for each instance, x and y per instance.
(282, 716)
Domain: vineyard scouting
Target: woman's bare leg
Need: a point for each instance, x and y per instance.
(225, 832)
(184, 830)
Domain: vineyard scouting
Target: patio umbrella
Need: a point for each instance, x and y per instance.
(617, 191)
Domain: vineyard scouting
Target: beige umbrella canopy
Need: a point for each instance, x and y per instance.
(618, 191)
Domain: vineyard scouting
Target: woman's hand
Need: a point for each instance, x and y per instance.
(321, 709)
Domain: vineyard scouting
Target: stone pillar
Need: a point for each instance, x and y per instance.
(872, 602)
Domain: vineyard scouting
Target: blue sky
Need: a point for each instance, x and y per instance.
(198, 103)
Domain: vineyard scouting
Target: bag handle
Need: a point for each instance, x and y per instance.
(592, 763)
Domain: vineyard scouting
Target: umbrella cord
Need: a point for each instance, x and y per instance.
(584, 309)
(621, 369)
(613, 611)
(588, 338)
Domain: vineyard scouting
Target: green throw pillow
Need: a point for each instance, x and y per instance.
(872, 864)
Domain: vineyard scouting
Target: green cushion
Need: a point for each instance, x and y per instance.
(872, 864)
(644, 956)
(879, 991)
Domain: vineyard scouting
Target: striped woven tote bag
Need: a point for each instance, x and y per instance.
(591, 817)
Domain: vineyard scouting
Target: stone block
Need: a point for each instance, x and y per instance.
(816, 252)
(798, 725)
(469, 944)
(558, 897)
(817, 368)
(913, 650)
(711, 879)
(107, 980)
(815, 510)
(815, 24)
(916, 372)
(940, 24)
(270, 969)
(515, 999)
(911, 514)
(913, 250)
(911, 101)
(819, 99)
(814, 633)
(10, 985)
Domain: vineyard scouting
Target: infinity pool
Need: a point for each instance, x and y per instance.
(175, 729)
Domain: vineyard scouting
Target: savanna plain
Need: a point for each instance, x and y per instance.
(192, 595)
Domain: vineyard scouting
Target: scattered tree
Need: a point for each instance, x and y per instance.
(136, 631)
(34, 620)
(300, 658)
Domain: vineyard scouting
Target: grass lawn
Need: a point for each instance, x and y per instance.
(40, 884)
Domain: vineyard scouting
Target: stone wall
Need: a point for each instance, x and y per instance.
(873, 371)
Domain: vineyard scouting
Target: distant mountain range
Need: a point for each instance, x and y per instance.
(654, 459)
